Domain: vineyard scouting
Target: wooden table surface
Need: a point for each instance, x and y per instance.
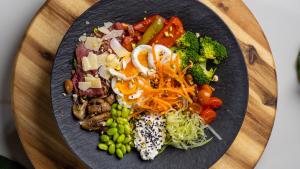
(31, 85)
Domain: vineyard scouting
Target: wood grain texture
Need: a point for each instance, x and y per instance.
(31, 85)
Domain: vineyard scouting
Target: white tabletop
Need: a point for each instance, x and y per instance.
(280, 21)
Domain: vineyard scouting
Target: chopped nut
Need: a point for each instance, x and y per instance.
(166, 34)
(171, 35)
(170, 28)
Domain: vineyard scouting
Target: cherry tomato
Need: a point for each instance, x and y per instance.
(214, 102)
(203, 97)
(170, 33)
(208, 115)
(207, 88)
(144, 24)
(196, 107)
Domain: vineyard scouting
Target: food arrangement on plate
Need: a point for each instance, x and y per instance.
(146, 86)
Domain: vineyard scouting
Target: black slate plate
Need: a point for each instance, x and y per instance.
(232, 87)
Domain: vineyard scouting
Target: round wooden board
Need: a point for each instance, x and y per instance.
(31, 85)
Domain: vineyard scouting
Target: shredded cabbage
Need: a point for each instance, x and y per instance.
(185, 130)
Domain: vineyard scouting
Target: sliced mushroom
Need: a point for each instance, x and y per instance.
(96, 122)
(98, 105)
(79, 109)
(110, 99)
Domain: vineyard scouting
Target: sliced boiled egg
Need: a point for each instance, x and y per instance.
(162, 54)
(140, 59)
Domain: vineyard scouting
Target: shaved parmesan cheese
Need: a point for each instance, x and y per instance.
(84, 85)
(104, 73)
(102, 59)
(93, 61)
(108, 24)
(93, 43)
(86, 64)
(104, 30)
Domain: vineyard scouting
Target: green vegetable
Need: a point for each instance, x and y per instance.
(109, 122)
(188, 41)
(123, 148)
(119, 153)
(116, 136)
(187, 56)
(112, 149)
(104, 138)
(102, 146)
(200, 73)
(121, 129)
(74, 64)
(112, 131)
(119, 107)
(119, 145)
(121, 138)
(127, 129)
(114, 112)
(110, 142)
(212, 49)
(127, 140)
(298, 66)
(115, 105)
(152, 30)
(185, 130)
(113, 124)
(125, 112)
(128, 148)
(119, 113)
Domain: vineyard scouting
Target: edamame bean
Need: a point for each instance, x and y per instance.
(115, 105)
(128, 148)
(119, 145)
(112, 149)
(131, 143)
(125, 112)
(121, 129)
(114, 112)
(120, 107)
(123, 148)
(110, 142)
(112, 131)
(127, 140)
(109, 122)
(127, 129)
(102, 146)
(113, 124)
(116, 136)
(119, 113)
(121, 138)
(104, 138)
(119, 153)
(121, 120)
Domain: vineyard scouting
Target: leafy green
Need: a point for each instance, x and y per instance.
(185, 130)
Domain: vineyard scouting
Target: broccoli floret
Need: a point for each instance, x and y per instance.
(200, 73)
(188, 55)
(189, 41)
(212, 49)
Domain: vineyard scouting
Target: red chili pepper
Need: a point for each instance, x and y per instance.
(170, 33)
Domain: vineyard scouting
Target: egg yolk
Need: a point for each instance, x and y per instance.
(143, 58)
(127, 87)
(130, 70)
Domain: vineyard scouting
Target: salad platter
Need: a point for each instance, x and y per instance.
(153, 88)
